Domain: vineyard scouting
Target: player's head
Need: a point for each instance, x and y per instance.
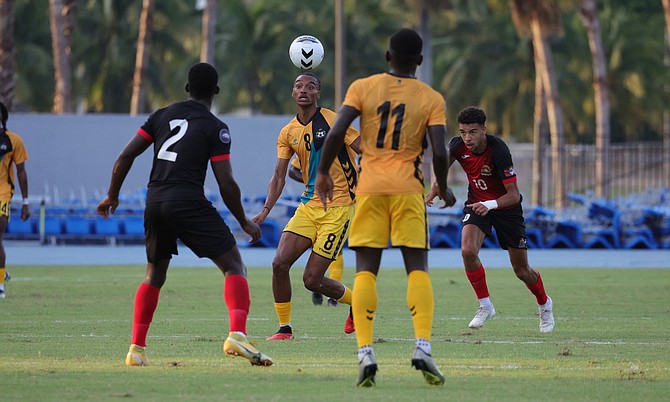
(306, 89)
(472, 115)
(202, 81)
(4, 115)
(405, 49)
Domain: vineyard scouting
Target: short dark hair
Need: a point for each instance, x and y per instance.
(202, 80)
(406, 43)
(472, 115)
(4, 115)
(308, 74)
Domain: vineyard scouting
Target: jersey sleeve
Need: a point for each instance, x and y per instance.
(438, 113)
(20, 154)
(220, 146)
(284, 150)
(147, 131)
(502, 160)
(351, 135)
(353, 95)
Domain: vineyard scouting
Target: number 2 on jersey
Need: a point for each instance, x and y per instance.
(399, 113)
(163, 152)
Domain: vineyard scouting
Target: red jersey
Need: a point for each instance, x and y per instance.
(488, 171)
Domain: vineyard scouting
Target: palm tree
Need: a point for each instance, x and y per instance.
(542, 19)
(209, 21)
(666, 114)
(138, 99)
(589, 12)
(7, 53)
(61, 18)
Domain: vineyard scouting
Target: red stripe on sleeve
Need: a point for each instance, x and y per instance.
(510, 180)
(216, 158)
(145, 135)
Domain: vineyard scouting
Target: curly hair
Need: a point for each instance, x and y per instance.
(472, 115)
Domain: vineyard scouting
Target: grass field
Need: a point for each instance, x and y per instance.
(64, 333)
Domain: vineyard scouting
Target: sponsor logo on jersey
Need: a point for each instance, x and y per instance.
(486, 170)
(466, 156)
(224, 136)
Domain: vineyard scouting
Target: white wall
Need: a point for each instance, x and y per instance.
(68, 153)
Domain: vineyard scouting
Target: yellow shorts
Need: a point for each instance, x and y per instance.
(328, 229)
(4, 208)
(400, 218)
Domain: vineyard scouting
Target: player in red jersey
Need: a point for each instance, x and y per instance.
(494, 201)
(186, 138)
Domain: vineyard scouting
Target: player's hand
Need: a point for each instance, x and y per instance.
(261, 216)
(252, 229)
(448, 197)
(478, 208)
(434, 191)
(324, 188)
(107, 206)
(25, 212)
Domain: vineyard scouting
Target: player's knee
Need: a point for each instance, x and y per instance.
(311, 283)
(279, 267)
(469, 253)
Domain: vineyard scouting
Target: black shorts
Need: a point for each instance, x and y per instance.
(196, 223)
(508, 223)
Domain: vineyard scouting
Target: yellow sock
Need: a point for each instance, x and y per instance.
(364, 306)
(283, 313)
(346, 297)
(420, 302)
(336, 267)
(2, 275)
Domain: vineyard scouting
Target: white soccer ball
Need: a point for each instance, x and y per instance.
(306, 52)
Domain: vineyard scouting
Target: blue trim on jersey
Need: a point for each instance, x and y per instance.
(314, 159)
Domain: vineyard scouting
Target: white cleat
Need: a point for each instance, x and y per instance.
(483, 314)
(547, 316)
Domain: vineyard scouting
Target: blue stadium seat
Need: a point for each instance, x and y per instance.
(77, 226)
(270, 234)
(107, 227)
(133, 226)
(53, 225)
(16, 226)
(447, 235)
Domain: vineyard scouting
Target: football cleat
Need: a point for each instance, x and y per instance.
(349, 327)
(238, 345)
(547, 316)
(332, 302)
(137, 356)
(317, 298)
(367, 368)
(483, 314)
(285, 333)
(2, 294)
(7, 276)
(424, 362)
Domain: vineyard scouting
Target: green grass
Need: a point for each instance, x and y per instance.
(64, 333)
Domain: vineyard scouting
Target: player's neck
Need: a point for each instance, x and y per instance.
(305, 113)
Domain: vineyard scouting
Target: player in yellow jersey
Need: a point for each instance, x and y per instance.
(324, 231)
(12, 152)
(396, 110)
(336, 267)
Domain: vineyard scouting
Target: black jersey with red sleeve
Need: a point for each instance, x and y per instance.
(487, 172)
(186, 136)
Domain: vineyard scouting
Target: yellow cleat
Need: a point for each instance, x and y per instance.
(137, 356)
(238, 345)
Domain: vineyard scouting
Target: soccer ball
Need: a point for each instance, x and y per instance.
(306, 52)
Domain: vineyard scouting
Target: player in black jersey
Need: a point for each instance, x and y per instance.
(494, 201)
(186, 137)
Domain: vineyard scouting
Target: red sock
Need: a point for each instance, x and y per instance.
(146, 300)
(538, 290)
(236, 296)
(477, 279)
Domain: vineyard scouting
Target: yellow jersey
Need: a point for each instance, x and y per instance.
(306, 141)
(394, 115)
(17, 156)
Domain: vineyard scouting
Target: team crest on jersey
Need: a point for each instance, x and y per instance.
(224, 136)
(320, 133)
(486, 170)
(509, 172)
(295, 141)
(3, 147)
